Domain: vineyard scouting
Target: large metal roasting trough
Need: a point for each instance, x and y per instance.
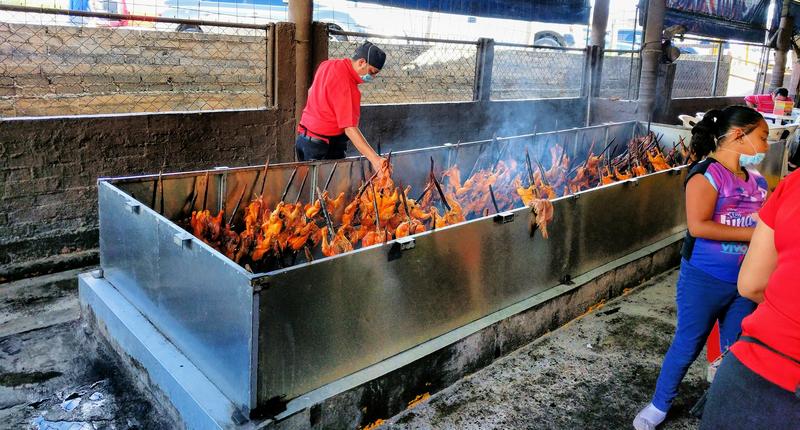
(266, 338)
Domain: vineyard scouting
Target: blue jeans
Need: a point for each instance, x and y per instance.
(702, 300)
(741, 399)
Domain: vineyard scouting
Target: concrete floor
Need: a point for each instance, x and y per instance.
(49, 368)
(593, 373)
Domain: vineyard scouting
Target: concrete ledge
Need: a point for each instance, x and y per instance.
(176, 383)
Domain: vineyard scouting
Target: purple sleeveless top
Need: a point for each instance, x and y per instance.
(737, 200)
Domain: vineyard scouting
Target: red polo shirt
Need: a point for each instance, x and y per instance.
(334, 100)
(776, 321)
(762, 102)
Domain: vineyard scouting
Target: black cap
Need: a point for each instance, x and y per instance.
(374, 55)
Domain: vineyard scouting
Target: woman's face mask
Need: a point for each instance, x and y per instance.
(751, 160)
(747, 159)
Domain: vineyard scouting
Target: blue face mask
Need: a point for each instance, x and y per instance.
(744, 159)
(367, 78)
(751, 160)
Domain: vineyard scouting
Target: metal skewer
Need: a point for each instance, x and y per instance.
(194, 194)
(494, 201)
(288, 185)
(529, 167)
(264, 180)
(236, 208)
(161, 196)
(439, 187)
(205, 191)
(323, 207)
(155, 191)
(330, 176)
(375, 204)
(300, 191)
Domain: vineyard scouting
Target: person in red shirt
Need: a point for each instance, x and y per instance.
(766, 102)
(330, 118)
(758, 384)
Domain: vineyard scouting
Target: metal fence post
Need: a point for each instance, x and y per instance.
(716, 70)
(483, 70)
(586, 73)
(591, 78)
(765, 71)
(597, 59)
(271, 76)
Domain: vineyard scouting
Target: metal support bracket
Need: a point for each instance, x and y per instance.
(132, 206)
(504, 217)
(407, 243)
(182, 239)
(400, 245)
(97, 274)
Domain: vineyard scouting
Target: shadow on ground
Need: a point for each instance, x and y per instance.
(593, 373)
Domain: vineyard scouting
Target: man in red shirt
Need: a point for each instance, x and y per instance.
(330, 118)
(766, 102)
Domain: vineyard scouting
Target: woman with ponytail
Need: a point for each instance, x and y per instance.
(724, 192)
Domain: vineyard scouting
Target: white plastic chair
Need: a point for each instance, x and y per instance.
(688, 120)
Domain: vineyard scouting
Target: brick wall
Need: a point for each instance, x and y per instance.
(59, 70)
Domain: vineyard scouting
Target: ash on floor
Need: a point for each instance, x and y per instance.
(593, 373)
(53, 375)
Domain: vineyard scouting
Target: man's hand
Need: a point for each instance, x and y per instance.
(377, 165)
(355, 136)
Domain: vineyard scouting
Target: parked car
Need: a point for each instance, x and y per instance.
(251, 12)
(628, 40)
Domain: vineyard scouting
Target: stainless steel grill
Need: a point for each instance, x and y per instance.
(266, 338)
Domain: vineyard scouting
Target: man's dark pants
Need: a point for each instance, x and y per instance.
(309, 148)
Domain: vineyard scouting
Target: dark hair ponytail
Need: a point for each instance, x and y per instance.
(717, 123)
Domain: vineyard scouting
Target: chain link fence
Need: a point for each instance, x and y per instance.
(416, 70)
(701, 70)
(57, 63)
(526, 72)
(620, 74)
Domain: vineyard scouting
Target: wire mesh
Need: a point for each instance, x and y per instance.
(415, 71)
(529, 72)
(620, 75)
(695, 69)
(54, 64)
